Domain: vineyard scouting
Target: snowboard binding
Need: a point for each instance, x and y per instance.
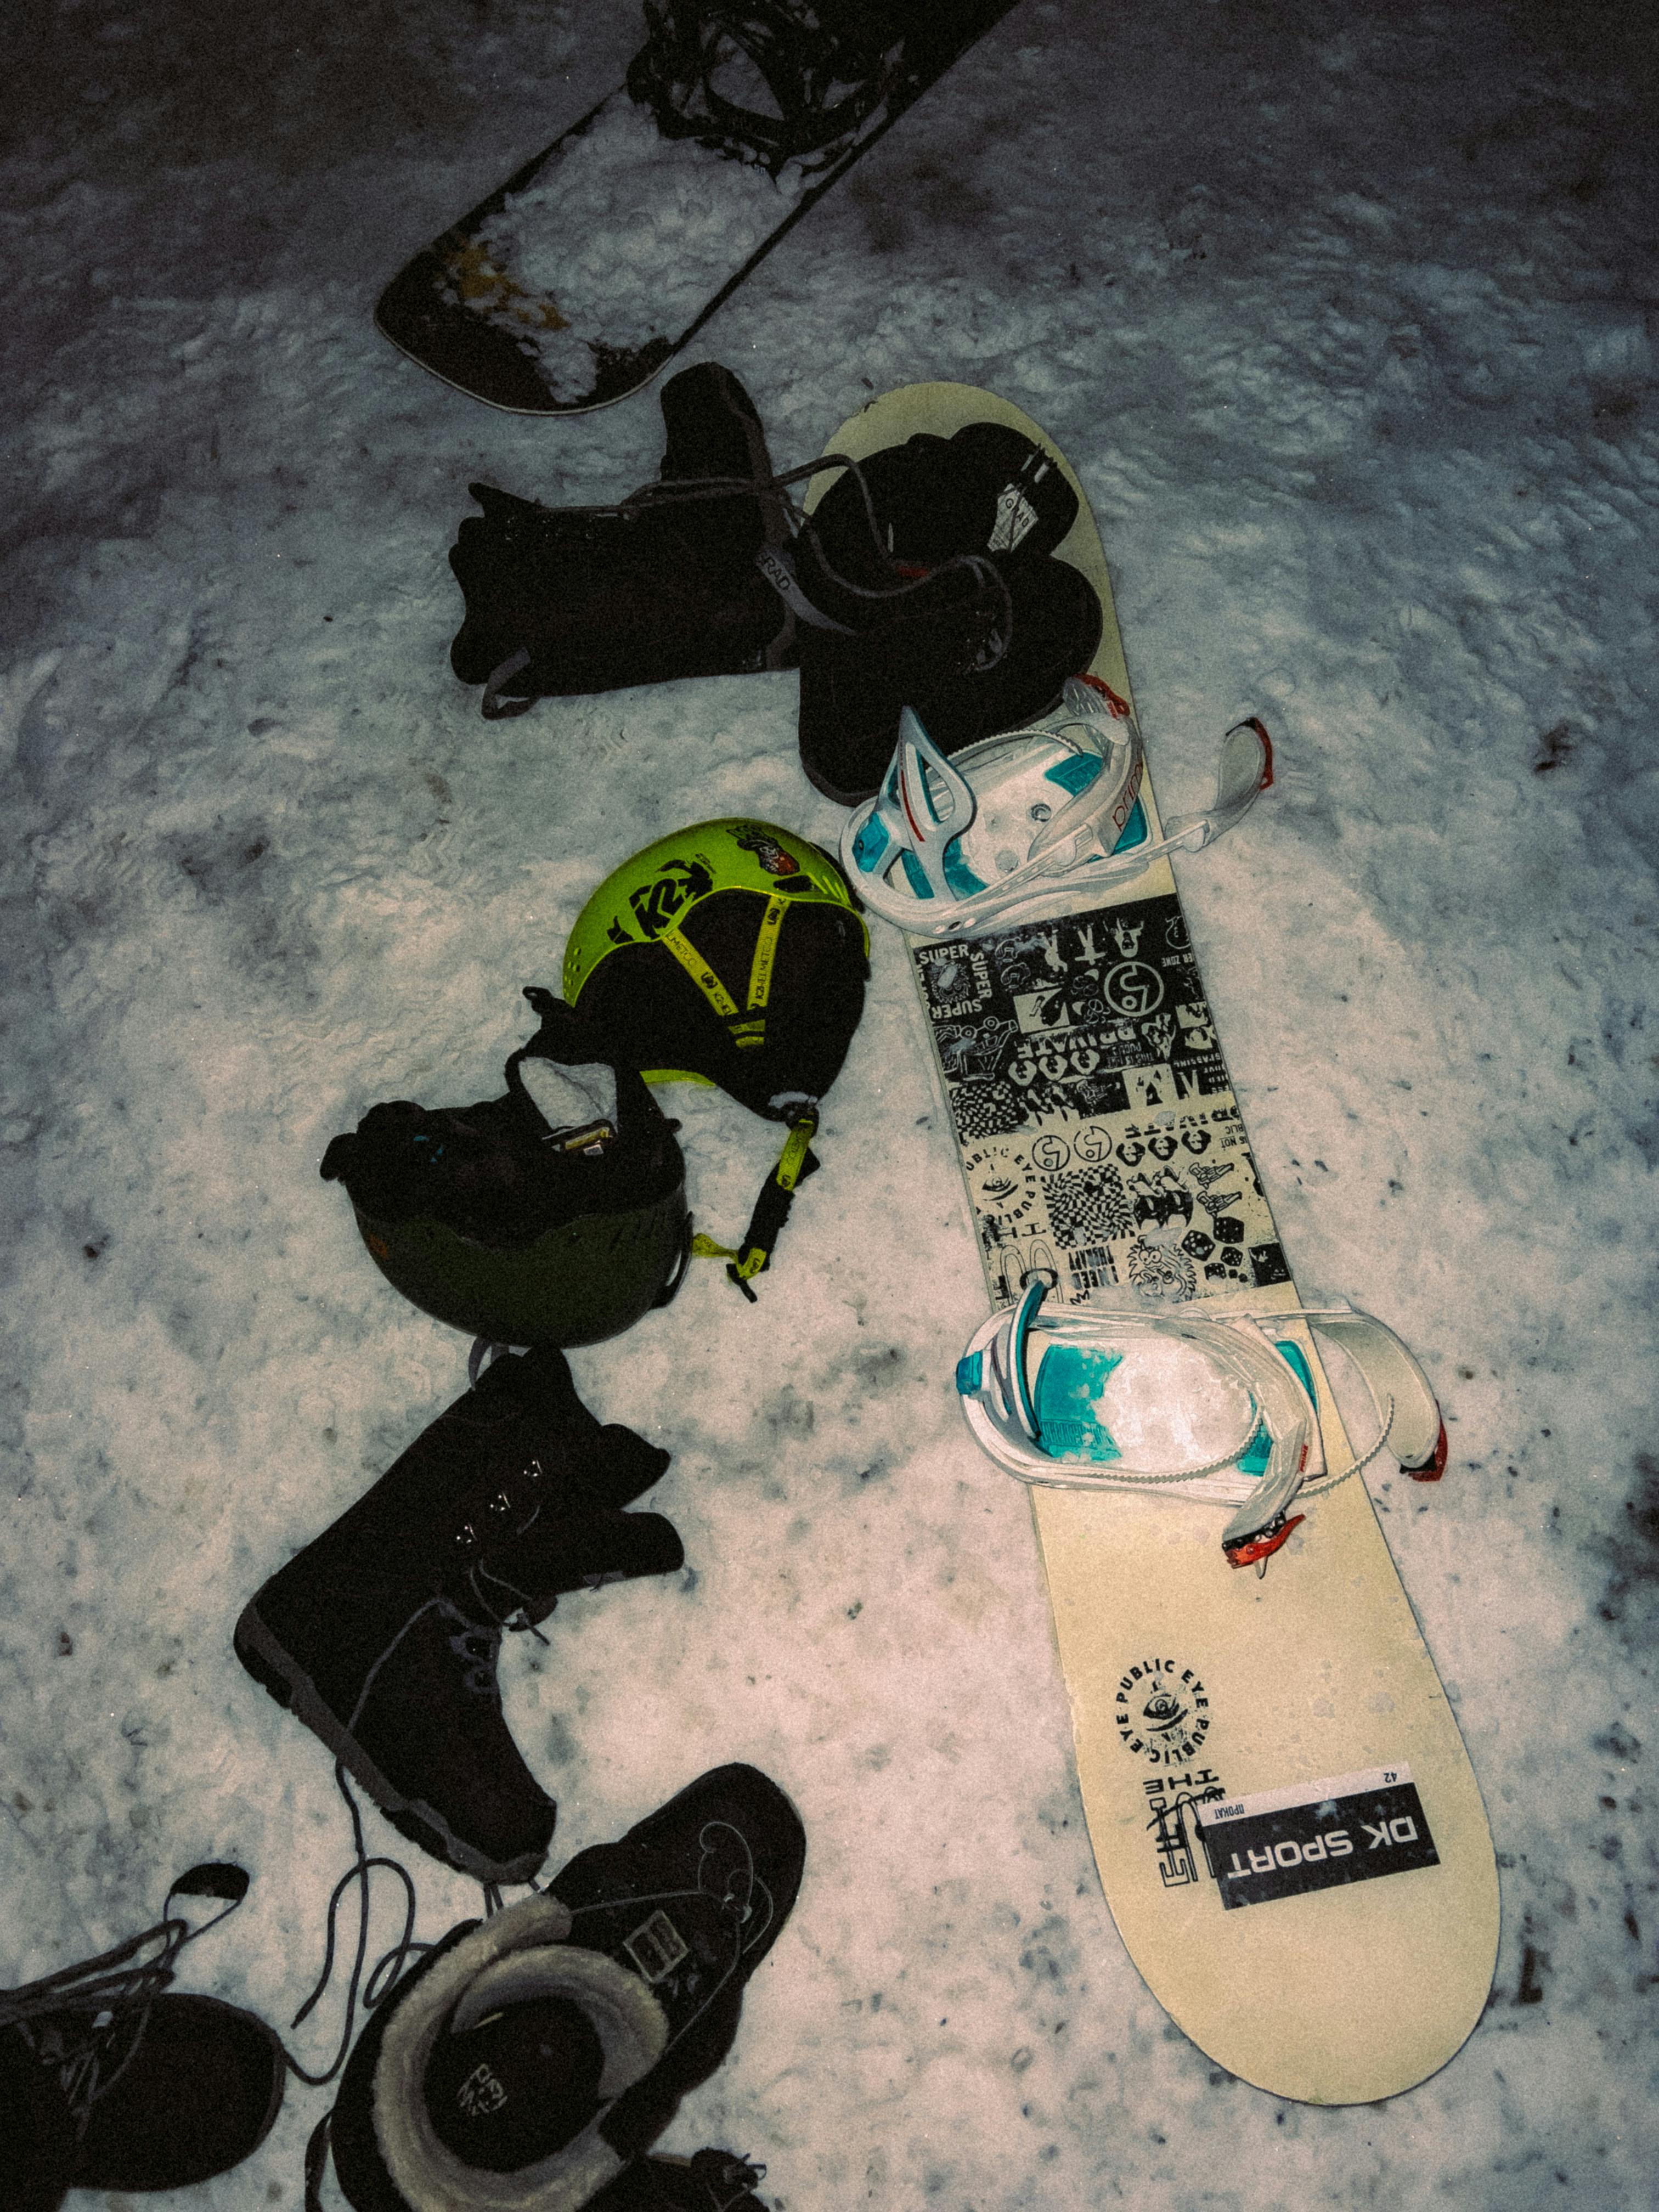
(952, 846)
(1033, 1387)
(824, 71)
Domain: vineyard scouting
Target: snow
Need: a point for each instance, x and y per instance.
(697, 217)
(1347, 324)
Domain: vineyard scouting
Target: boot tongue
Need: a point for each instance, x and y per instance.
(518, 2087)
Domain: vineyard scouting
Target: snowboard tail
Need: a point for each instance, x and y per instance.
(1286, 1825)
(598, 260)
(454, 311)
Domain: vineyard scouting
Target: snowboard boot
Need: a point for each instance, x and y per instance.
(926, 578)
(710, 2181)
(383, 1634)
(108, 2081)
(532, 2059)
(562, 600)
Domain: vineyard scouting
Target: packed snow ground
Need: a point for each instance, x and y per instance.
(1346, 318)
(703, 218)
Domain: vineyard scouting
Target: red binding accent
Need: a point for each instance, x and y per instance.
(1255, 1548)
(916, 829)
(1435, 1466)
(1121, 707)
(1260, 728)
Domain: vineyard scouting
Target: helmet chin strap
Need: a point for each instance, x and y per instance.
(777, 1195)
(747, 1028)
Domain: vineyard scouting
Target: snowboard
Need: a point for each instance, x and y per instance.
(599, 259)
(1288, 1831)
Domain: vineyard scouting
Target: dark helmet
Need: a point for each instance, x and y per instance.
(556, 1220)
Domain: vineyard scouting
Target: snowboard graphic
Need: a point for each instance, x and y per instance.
(574, 282)
(1287, 1827)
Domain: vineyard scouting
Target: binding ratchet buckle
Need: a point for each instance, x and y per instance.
(1034, 1389)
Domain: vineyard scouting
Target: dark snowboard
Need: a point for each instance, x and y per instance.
(594, 264)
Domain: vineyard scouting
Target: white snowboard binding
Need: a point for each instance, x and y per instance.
(949, 846)
(1034, 1388)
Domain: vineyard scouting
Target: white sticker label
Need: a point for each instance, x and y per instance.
(1315, 1835)
(656, 1946)
(1016, 516)
(1302, 1793)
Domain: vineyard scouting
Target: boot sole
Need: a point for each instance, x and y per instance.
(293, 1689)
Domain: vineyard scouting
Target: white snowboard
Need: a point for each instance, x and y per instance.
(1287, 1827)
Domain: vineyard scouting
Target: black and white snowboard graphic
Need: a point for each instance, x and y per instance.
(1093, 1109)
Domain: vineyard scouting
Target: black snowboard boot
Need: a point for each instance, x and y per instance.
(383, 1634)
(710, 2181)
(577, 600)
(108, 2082)
(932, 583)
(554, 2041)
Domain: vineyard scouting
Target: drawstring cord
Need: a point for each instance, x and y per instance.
(118, 1989)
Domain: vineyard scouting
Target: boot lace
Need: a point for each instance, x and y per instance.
(387, 1968)
(479, 1647)
(487, 1527)
(381, 1980)
(87, 2022)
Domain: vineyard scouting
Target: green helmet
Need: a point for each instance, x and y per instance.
(733, 953)
(552, 1219)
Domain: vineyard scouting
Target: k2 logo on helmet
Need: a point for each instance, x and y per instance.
(677, 884)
